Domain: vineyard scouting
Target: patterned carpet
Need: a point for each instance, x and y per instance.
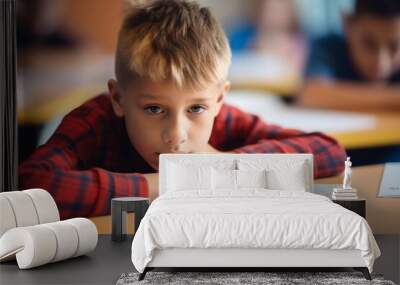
(231, 278)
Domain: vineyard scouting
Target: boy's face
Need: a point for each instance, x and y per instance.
(162, 118)
(374, 44)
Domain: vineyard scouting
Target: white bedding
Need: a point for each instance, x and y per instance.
(251, 218)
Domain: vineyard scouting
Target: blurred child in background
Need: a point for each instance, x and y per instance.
(360, 70)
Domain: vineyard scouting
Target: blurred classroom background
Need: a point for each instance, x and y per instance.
(66, 55)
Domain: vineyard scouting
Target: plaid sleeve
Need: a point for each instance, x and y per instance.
(57, 168)
(252, 135)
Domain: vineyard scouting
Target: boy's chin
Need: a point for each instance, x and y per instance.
(154, 161)
(153, 165)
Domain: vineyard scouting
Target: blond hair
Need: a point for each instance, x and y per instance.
(172, 40)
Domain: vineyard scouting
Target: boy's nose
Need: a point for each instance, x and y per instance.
(174, 144)
(174, 137)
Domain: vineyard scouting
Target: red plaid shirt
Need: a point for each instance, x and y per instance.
(89, 158)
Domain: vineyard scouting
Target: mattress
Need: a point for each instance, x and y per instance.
(250, 219)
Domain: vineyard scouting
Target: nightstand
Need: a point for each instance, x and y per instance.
(357, 206)
(119, 209)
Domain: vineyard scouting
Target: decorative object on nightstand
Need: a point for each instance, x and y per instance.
(346, 192)
(356, 205)
(119, 209)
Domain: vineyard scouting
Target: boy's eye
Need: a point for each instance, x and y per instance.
(394, 47)
(154, 110)
(370, 45)
(196, 109)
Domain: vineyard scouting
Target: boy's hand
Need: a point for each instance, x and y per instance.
(152, 182)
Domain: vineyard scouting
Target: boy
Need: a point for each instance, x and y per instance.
(362, 69)
(171, 66)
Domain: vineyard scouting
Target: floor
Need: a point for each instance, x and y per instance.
(106, 264)
(389, 262)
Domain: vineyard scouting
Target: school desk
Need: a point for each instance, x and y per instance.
(385, 132)
(53, 82)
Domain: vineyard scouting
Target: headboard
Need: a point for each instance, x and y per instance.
(233, 160)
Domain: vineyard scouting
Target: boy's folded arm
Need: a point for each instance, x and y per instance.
(263, 138)
(64, 167)
(325, 93)
(79, 192)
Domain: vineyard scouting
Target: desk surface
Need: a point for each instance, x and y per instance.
(266, 70)
(352, 129)
(53, 82)
(386, 132)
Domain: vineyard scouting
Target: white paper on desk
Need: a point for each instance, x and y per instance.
(272, 110)
(254, 67)
(390, 183)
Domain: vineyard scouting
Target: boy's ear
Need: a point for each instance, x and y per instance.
(115, 97)
(220, 101)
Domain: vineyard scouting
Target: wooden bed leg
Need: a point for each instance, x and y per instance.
(143, 274)
(364, 271)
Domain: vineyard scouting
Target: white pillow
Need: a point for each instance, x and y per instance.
(181, 177)
(282, 174)
(228, 179)
(251, 178)
(223, 164)
(224, 179)
(293, 179)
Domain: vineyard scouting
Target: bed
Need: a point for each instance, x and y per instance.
(247, 211)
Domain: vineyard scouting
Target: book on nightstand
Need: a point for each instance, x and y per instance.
(344, 194)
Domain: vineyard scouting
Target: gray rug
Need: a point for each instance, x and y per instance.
(230, 278)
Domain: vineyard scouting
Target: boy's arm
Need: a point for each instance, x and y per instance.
(62, 166)
(152, 185)
(323, 93)
(81, 193)
(255, 136)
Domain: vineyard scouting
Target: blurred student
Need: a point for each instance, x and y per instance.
(274, 28)
(360, 70)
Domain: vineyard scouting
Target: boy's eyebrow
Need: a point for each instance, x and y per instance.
(202, 99)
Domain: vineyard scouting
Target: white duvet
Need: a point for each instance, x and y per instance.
(250, 219)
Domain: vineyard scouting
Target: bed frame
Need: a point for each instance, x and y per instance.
(234, 259)
(250, 259)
